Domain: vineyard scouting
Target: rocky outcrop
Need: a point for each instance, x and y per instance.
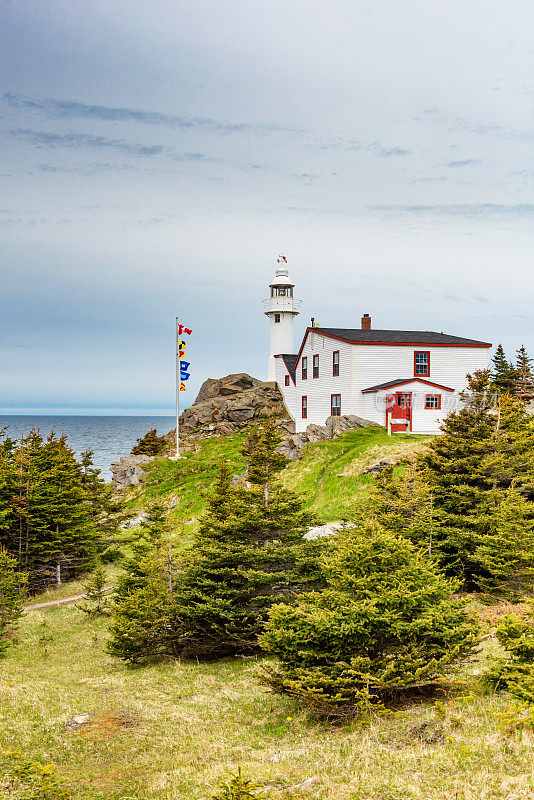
(293, 445)
(229, 404)
(128, 471)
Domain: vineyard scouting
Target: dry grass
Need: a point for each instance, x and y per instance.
(172, 731)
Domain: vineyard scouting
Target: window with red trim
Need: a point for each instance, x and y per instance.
(286, 380)
(421, 363)
(335, 405)
(316, 366)
(304, 368)
(335, 363)
(433, 401)
(304, 406)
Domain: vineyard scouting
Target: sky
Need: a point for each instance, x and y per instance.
(157, 157)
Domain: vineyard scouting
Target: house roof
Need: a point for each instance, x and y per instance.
(290, 360)
(400, 381)
(376, 336)
(398, 337)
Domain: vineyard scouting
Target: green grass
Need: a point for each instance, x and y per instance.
(329, 475)
(172, 731)
(187, 481)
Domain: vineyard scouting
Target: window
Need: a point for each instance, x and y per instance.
(304, 368)
(316, 366)
(433, 401)
(421, 363)
(304, 406)
(286, 380)
(277, 317)
(281, 291)
(335, 363)
(336, 405)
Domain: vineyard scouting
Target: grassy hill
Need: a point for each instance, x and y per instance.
(329, 476)
(174, 731)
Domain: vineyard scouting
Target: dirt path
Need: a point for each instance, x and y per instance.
(51, 603)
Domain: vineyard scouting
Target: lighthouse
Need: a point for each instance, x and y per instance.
(281, 308)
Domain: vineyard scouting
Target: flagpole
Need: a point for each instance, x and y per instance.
(177, 392)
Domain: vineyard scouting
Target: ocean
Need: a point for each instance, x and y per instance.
(109, 437)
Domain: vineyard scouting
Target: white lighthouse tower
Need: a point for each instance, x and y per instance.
(281, 308)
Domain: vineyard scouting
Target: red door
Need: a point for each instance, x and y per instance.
(399, 409)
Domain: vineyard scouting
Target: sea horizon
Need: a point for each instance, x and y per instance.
(109, 436)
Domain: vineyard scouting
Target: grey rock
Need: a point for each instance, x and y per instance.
(133, 522)
(128, 471)
(330, 529)
(378, 467)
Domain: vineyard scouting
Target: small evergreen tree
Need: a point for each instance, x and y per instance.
(96, 602)
(141, 631)
(12, 585)
(249, 552)
(523, 386)
(149, 540)
(402, 501)
(506, 549)
(503, 373)
(514, 671)
(385, 625)
(150, 444)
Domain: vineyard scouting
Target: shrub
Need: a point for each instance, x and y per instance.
(514, 671)
(25, 778)
(12, 585)
(386, 625)
(150, 444)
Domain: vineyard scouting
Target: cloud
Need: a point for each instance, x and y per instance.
(476, 210)
(88, 169)
(84, 141)
(70, 109)
(458, 122)
(468, 162)
(389, 152)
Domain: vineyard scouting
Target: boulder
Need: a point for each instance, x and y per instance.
(293, 445)
(226, 405)
(128, 471)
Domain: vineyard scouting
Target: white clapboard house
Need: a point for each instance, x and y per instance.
(415, 377)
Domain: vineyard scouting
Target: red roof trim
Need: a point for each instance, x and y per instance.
(393, 344)
(410, 380)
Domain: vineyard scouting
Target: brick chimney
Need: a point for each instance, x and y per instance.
(366, 322)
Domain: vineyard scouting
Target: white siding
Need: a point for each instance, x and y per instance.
(424, 420)
(373, 364)
(319, 390)
(288, 392)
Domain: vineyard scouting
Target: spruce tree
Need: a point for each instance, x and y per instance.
(402, 500)
(515, 670)
(149, 539)
(12, 585)
(248, 553)
(96, 602)
(503, 373)
(523, 386)
(56, 514)
(386, 625)
(485, 447)
(141, 631)
(506, 549)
